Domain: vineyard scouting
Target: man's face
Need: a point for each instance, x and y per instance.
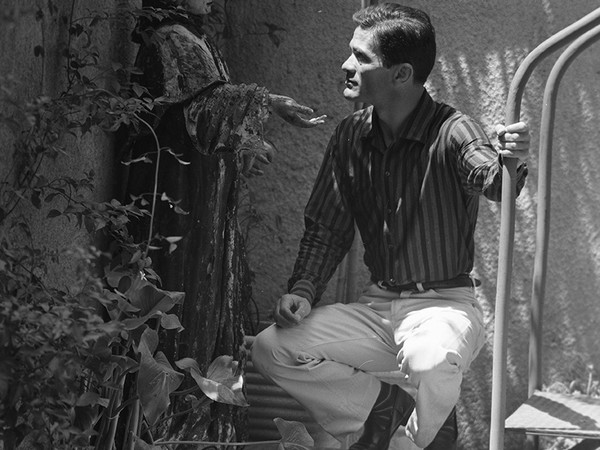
(198, 7)
(366, 78)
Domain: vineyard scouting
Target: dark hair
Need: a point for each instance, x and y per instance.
(402, 35)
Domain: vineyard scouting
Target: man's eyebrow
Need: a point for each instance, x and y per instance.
(358, 52)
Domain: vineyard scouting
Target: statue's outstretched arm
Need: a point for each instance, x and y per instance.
(292, 112)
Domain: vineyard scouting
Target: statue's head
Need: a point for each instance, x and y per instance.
(197, 7)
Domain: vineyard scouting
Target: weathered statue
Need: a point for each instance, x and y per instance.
(215, 126)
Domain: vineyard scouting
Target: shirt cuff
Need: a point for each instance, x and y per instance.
(305, 289)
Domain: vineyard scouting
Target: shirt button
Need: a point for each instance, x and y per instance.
(387, 173)
(391, 281)
(389, 211)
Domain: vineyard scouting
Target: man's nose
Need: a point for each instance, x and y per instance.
(347, 66)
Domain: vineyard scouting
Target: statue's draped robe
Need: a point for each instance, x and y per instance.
(205, 121)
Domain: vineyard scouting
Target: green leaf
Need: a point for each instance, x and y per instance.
(293, 434)
(97, 18)
(170, 322)
(150, 299)
(125, 363)
(76, 29)
(177, 156)
(136, 257)
(92, 399)
(138, 89)
(221, 383)
(135, 323)
(50, 197)
(114, 277)
(90, 226)
(124, 306)
(188, 364)
(143, 159)
(149, 339)
(181, 211)
(165, 198)
(156, 381)
(35, 199)
(85, 417)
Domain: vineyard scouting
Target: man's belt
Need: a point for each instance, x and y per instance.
(463, 280)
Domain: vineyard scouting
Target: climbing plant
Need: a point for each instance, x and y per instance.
(80, 366)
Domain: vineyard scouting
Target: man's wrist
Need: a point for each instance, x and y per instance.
(305, 289)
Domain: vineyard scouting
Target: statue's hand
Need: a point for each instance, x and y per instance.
(291, 111)
(253, 157)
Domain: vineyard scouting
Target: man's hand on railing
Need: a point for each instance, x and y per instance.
(513, 140)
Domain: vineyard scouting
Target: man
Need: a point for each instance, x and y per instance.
(408, 172)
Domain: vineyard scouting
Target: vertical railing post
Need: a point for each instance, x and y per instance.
(507, 224)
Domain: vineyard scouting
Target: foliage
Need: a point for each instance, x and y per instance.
(586, 385)
(582, 384)
(80, 365)
(295, 435)
(47, 334)
(74, 359)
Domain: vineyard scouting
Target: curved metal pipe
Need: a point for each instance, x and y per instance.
(553, 43)
(543, 208)
(507, 222)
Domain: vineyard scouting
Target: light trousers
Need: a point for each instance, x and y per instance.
(332, 362)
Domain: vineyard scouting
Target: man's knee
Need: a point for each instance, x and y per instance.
(427, 358)
(266, 351)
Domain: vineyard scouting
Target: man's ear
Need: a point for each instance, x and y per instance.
(402, 73)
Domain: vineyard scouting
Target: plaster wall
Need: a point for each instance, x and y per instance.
(296, 48)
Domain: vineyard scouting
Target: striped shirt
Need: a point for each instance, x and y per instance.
(414, 203)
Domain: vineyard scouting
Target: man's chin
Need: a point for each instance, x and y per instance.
(349, 94)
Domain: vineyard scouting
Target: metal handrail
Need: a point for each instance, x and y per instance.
(543, 208)
(507, 222)
(544, 185)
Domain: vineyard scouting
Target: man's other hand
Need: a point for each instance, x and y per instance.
(290, 310)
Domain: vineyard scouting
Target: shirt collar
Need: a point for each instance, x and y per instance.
(414, 128)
